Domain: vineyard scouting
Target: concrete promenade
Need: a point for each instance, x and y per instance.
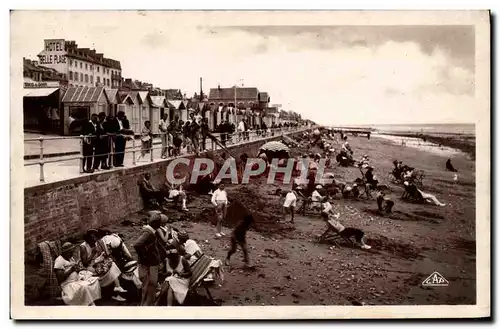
(68, 167)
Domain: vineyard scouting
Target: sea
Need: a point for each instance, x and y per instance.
(452, 128)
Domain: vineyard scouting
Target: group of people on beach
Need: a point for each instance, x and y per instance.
(163, 271)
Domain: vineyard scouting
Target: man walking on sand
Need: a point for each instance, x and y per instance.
(219, 200)
(238, 237)
(149, 259)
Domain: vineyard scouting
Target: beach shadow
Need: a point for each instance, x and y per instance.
(416, 216)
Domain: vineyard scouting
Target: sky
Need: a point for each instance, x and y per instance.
(331, 74)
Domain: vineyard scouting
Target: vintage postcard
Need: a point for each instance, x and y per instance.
(250, 165)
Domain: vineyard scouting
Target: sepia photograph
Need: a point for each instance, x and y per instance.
(237, 162)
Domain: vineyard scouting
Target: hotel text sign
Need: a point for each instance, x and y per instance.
(45, 84)
(53, 53)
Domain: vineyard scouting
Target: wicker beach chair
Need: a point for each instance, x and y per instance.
(200, 270)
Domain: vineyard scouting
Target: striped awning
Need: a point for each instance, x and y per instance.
(82, 94)
(39, 92)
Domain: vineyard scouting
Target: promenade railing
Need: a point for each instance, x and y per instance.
(134, 146)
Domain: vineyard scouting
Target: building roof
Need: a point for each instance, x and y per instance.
(143, 95)
(82, 94)
(228, 93)
(177, 104)
(123, 95)
(112, 95)
(158, 101)
(264, 97)
(90, 55)
(173, 94)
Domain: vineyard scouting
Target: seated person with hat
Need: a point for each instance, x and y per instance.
(336, 227)
(79, 287)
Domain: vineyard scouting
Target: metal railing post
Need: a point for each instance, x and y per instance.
(152, 148)
(42, 176)
(133, 150)
(167, 135)
(81, 155)
(110, 154)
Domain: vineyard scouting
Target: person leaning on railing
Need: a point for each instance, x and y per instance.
(163, 127)
(205, 130)
(89, 130)
(102, 144)
(122, 127)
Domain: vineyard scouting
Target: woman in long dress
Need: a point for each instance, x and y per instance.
(79, 287)
(118, 250)
(94, 256)
(178, 277)
(146, 140)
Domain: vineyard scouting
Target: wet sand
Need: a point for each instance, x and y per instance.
(291, 268)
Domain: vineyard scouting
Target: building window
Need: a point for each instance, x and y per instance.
(81, 65)
(70, 62)
(91, 67)
(76, 64)
(76, 76)
(81, 76)
(98, 69)
(86, 78)
(70, 75)
(86, 66)
(98, 80)
(107, 82)
(92, 79)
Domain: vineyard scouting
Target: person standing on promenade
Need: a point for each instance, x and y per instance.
(163, 126)
(89, 130)
(205, 130)
(241, 130)
(149, 259)
(219, 200)
(101, 148)
(194, 132)
(146, 140)
(122, 126)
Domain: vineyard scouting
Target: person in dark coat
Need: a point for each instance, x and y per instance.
(122, 126)
(102, 142)
(109, 128)
(89, 129)
(205, 130)
(449, 166)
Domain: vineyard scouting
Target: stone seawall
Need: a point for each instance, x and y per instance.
(68, 208)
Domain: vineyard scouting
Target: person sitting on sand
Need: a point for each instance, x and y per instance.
(97, 259)
(412, 192)
(238, 237)
(346, 148)
(333, 225)
(449, 166)
(384, 203)
(177, 194)
(149, 192)
(371, 181)
(289, 205)
(79, 287)
(178, 277)
(316, 198)
(119, 252)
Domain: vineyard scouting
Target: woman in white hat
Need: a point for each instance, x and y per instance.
(78, 287)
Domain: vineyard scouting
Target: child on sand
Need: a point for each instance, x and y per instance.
(290, 204)
(238, 237)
